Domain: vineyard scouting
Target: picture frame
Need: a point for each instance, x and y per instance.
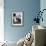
(17, 18)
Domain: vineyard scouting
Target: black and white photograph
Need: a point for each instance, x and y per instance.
(17, 18)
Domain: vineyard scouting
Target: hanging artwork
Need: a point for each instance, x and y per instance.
(17, 18)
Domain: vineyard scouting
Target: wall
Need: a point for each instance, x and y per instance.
(43, 6)
(1, 20)
(30, 7)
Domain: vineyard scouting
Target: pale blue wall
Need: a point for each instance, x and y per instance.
(43, 6)
(30, 7)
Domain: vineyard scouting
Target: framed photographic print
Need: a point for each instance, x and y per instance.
(17, 18)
